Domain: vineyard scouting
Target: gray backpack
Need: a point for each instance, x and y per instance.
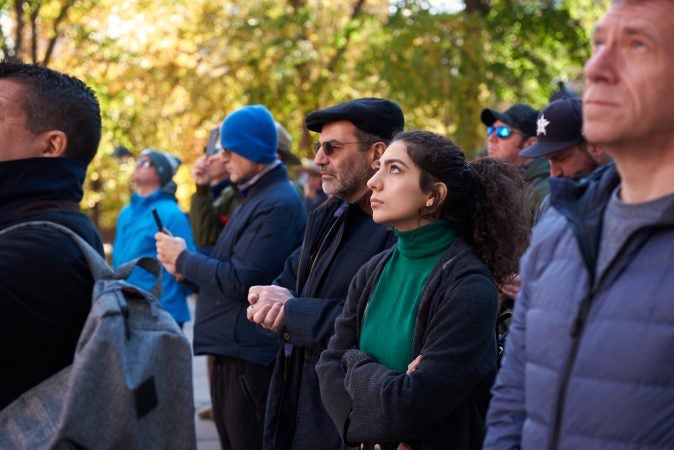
(130, 383)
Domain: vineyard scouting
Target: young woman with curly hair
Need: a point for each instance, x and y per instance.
(414, 350)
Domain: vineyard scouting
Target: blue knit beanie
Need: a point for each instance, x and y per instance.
(250, 132)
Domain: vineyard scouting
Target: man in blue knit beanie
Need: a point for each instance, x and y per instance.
(266, 227)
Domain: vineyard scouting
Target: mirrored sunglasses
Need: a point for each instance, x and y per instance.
(502, 132)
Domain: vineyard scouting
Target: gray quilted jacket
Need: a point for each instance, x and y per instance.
(589, 363)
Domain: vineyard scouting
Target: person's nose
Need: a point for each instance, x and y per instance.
(601, 65)
(320, 158)
(374, 183)
(555, 170)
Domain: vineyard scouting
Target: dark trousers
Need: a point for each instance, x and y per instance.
(239, 394)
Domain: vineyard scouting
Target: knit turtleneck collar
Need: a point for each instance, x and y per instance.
(426, 240)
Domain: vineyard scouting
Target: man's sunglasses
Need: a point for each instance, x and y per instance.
(502, 132)
(329, 147)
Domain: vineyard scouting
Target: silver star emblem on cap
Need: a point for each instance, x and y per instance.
(541, 123)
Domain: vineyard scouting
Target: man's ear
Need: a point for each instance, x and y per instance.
(594, 151)
(54, 142)
(378, 149)
(529, 141)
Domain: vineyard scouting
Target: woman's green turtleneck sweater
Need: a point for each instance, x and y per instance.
(388, 327)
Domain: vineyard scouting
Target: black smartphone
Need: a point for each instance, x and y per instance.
(157, 220)
(160, 225)
(212, 141)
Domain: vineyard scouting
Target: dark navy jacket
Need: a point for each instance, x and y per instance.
(589, 361)
(265, 228)
(339, 239)
(45, 283)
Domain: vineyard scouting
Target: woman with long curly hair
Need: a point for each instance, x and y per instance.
(414, 350)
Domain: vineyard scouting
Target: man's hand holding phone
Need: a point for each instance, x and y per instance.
(168, 247)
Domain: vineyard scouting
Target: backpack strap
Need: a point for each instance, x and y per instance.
(100, 269)
(147, 263)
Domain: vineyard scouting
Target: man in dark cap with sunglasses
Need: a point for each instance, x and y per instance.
(508, 133)
(302, 305)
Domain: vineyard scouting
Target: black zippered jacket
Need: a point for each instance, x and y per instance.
(45, 282)
(339, 239)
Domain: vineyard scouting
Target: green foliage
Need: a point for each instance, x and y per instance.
(166, 71)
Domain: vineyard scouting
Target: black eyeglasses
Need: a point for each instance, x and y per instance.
(329, 147)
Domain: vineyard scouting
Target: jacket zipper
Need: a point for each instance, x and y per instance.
(579, 322)
(306, 282)
(576, 334)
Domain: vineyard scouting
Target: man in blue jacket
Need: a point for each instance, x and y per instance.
(302, 305)
(136, 227)
(264, 229)
(50, 127)
(589, 362)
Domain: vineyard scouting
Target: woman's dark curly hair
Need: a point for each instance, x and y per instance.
(487, 201)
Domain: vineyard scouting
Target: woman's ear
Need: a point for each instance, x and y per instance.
(441, 196)
(54, 143)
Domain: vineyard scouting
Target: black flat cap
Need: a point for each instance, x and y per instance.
(521, 116)
(377, 116)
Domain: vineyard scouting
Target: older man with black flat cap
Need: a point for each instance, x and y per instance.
(302, 305)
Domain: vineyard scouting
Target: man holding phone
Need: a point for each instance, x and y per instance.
(154, 196)
(265, 228)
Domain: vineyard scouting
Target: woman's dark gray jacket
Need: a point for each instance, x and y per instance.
(441, 405)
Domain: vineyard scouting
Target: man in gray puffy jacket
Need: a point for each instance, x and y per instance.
(589, 360)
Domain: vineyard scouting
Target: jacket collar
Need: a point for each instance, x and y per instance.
(32, 180)
(272, 175)
(582, 203)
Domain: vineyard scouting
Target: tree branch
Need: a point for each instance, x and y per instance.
(34, 12)
(18, 35)
(357, 8)
(480, 6)
(63, 13)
